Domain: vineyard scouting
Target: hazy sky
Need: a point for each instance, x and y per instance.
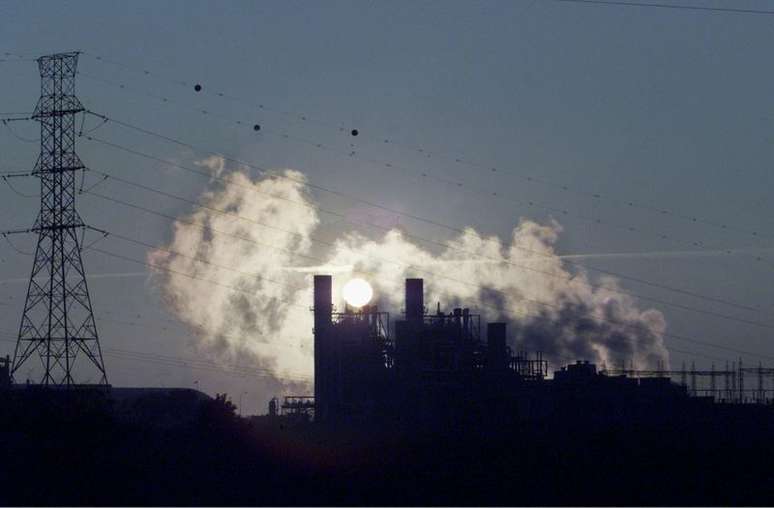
(665, 108)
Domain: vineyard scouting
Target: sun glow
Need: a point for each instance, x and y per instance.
(357, 292)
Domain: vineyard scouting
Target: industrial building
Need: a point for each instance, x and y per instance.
(436, 367)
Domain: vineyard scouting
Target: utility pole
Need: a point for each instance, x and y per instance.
(58, 324)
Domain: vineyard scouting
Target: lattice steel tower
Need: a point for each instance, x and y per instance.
(58, 323)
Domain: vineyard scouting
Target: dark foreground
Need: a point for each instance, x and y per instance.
(60, 453)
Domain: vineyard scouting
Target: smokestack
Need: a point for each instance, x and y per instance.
(495, 351)
(323, 300)
(323, 307)
(415, 300)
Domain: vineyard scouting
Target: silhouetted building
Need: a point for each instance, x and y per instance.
(437, 368)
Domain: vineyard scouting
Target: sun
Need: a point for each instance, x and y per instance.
(357, 292)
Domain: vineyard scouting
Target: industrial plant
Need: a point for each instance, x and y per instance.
(433, 367)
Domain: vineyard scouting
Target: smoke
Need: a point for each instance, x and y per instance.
(249, 255)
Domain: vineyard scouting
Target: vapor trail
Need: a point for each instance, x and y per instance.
(115, 275)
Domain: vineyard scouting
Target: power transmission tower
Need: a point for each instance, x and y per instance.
(58, 322)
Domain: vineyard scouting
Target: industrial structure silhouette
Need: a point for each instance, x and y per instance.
(436, 367)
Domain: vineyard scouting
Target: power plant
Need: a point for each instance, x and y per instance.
(432, 367)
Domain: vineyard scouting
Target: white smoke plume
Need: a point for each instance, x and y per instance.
(261, 254)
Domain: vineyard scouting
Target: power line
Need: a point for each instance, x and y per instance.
(211, 281)
(185, 365)
(215, 367)
(171, 139)
(431, 222)
(441, 276)
(696, 353)
(532, 179)
(195, 364)
(216, 231)
(265, 171)
(733, 10)
(416, 237)
(8, 57)
(198, 259)
(565, 357)
(522, 298)
(197, 326)
(207, 227)
(187, 362)
(331, 244)
(188, 275)
(178, 272)
(15, 191)
(7, 124)
(192, 361)
(12, 174)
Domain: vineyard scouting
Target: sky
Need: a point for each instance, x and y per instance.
(600, 116)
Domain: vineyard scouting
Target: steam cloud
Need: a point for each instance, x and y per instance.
(263, 266)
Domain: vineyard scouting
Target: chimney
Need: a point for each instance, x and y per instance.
(323, 301)
(323, 307)
(415, 300)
